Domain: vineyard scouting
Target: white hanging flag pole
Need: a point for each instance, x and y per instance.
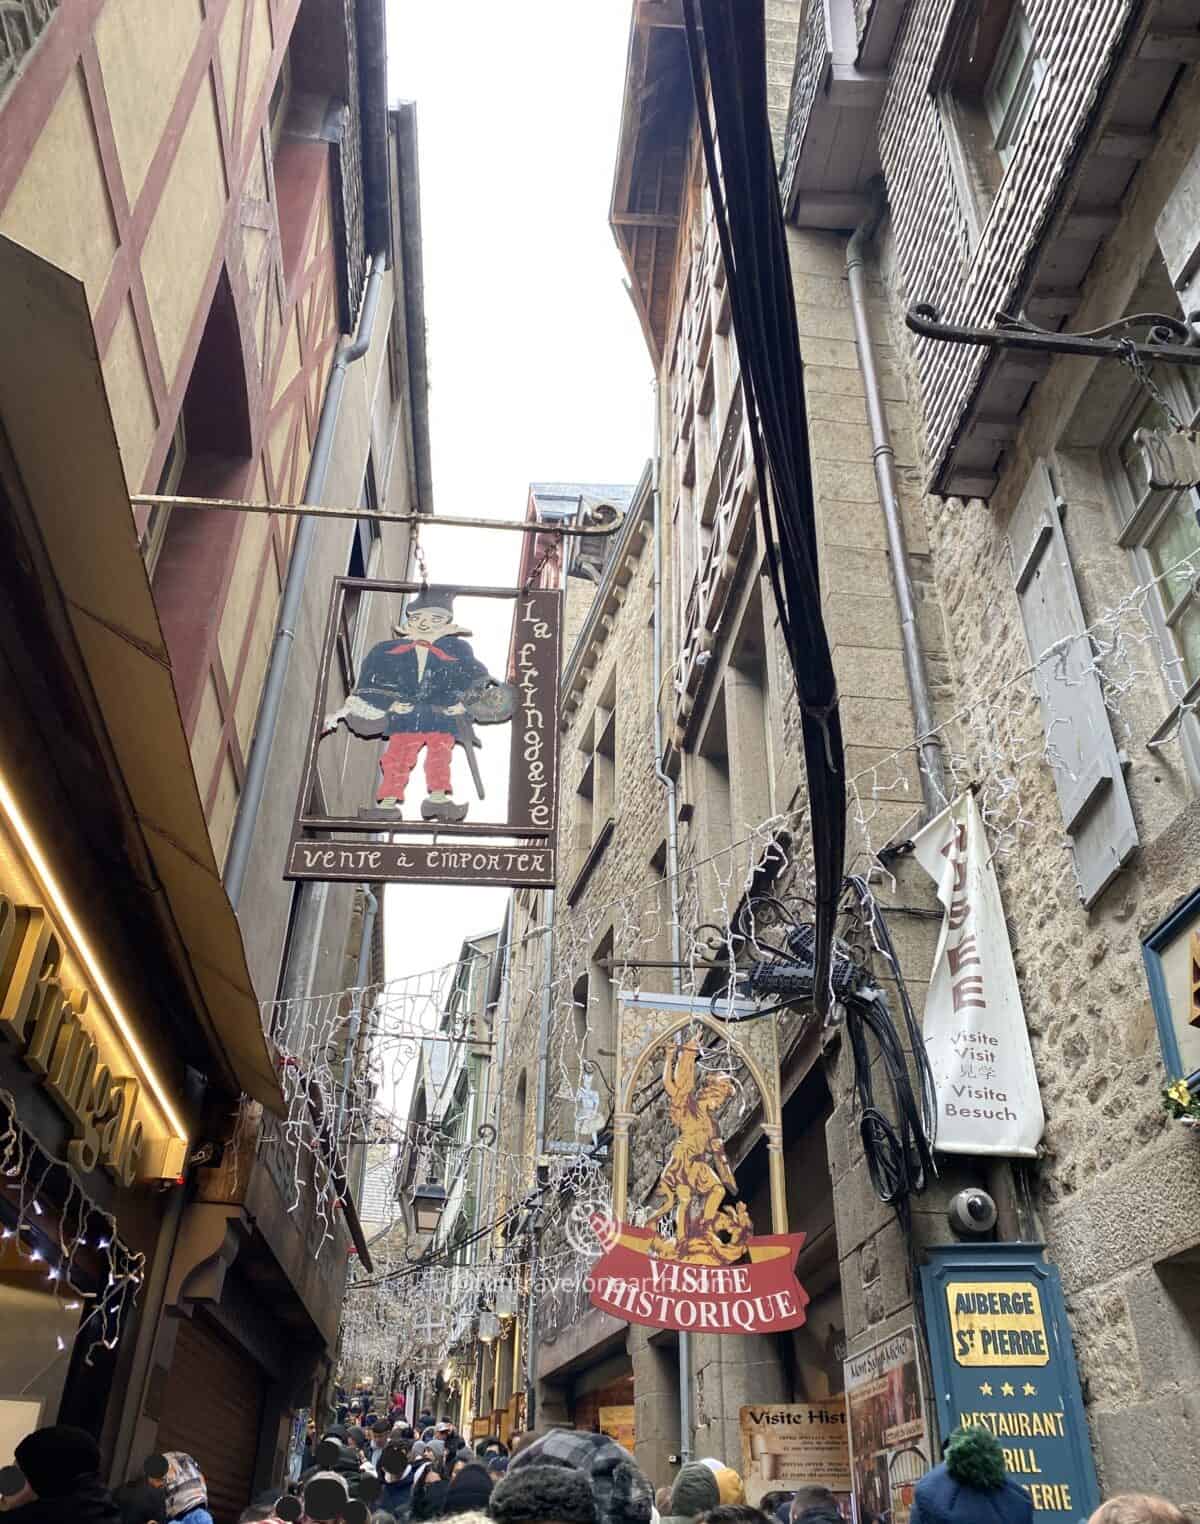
(975, 1033)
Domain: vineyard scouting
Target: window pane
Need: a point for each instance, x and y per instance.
(1177, 537)
(1014, 51)
(1187, 630)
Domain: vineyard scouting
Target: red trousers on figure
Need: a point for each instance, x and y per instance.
(400, 757)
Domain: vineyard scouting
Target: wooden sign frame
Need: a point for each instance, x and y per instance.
(519, 850)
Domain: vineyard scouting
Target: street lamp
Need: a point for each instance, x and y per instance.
(428, 1204)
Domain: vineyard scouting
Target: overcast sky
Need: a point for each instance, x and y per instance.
(538, 370)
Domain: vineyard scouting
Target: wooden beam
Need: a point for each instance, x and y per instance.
(1117, 144)
(969, 484)
(1171, 45)
(1091, 223)
(994, 426)
(1053, 301)
(644, 220)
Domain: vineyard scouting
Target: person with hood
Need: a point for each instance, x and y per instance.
(61, 1467)
(814, 1505)
(693, 1492)
(970, 1483)
(469, 1491)
(622, 1493)
(546, 1494)
(185, 1490)
(734, 1513)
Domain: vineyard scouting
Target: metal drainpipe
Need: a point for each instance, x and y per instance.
(933, 775)
(271, 704)
(370, 911)
(672, 864)
(540, 1146)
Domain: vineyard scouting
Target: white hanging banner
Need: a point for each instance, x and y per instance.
(975, 1034)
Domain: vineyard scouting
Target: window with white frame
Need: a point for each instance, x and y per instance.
(986, 84)
(1162, 532)
(1013, 84)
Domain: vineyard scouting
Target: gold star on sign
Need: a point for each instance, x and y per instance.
(985, 1389)
(1007, 1389)
(1029, 1389)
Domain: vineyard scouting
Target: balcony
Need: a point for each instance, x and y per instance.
(830, 148)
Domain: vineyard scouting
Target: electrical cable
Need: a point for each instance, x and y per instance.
(744, 190)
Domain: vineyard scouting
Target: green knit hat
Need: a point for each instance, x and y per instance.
(975, 1459)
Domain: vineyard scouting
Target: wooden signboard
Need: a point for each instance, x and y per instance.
(430, 701)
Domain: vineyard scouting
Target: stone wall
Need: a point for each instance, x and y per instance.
(1115, 1192)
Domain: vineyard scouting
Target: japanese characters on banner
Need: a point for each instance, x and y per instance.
(889, 1432)
(432, 702)
(1002, 1360)
(975, 1034)
(791, 1445)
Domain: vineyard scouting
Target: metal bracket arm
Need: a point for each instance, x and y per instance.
(1166, 339)
(605, 519)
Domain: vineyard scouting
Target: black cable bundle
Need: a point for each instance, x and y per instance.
(900, 1156)
(749, 219)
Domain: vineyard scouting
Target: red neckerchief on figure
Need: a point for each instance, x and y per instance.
(411, 645)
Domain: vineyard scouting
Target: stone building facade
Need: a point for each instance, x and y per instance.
(221, 197)
(1064, 186)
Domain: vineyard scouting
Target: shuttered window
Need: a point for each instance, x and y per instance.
(1079, 742)
(212, 1409)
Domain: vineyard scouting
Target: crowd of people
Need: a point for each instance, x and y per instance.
(386, 1471)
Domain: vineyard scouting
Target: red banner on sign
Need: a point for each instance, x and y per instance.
(761, 1295)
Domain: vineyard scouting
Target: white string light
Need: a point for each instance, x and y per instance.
(53, 1232)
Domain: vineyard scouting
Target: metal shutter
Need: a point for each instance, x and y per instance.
(1087, 767)
(212, 1409)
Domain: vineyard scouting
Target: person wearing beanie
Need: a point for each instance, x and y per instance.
(1138, 1508)
(547, 1494)
(622, 1492)
(971, 1483)
(730, 1485)
(470, 1490)
(61, 1467)
(694, 1492)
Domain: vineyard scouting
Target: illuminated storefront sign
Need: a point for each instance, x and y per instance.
(59, 1014)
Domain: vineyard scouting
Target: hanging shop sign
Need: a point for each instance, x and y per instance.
(1000, 1348)
(702, 1267)
(791, 1445)
(430, 702)
(889, 1429)
(975, 1034)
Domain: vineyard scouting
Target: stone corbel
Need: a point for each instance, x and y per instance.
(210, 1237)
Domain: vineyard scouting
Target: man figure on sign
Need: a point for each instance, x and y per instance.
(423, 690)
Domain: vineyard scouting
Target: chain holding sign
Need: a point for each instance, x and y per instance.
(429, 701)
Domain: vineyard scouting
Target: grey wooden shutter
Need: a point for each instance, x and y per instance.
(1087, 769)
